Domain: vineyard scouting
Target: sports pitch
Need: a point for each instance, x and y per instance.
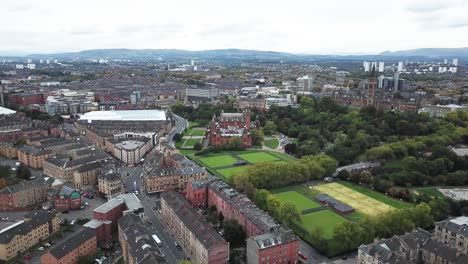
(257, 157)
(218, 161)
(300, 201)
(326, 220)
(357, 200)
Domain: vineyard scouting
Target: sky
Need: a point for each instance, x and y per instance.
(297, 26)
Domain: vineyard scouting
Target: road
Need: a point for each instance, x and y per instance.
(358, 166)
(180, 125)
(158, 227)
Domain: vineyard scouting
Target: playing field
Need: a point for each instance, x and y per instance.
(256, 157)
(227, 173)
(197, 132)
(191, 142)
(357, 200)
(326, 220)
(300, 201)
(218, 161)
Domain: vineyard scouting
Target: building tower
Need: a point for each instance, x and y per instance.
(371, 87)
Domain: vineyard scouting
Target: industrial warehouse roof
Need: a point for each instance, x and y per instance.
(6, 111)
(125, 115)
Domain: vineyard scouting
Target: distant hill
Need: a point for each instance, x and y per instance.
(169, 53)
(429, 52)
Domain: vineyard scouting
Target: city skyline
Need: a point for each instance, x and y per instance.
(332, 27)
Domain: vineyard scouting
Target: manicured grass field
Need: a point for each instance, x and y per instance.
(197, 132)
(258, 157)
(300, 201)
(377, 196)
(281, 156)
(218, 161)
(271, 143)
(326, 220)
(227, 173)
(357, 200)
(190, 142)
(430, 191)
(193, 124)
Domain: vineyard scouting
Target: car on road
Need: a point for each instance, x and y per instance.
(17, 164)
(304, 257)
(177, 246)
(149, 222)
(41, 248)
(72, 222)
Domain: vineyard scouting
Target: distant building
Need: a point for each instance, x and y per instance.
(400, 66)
(132, 150)
(305, 84)
(25, 99)
(441, 110)
(201, 94)
(381, 66)
(334, 204)
(228, 125)
(17, 237)
(83, 243)
(8, 150)
(138, 246)
(201, 240)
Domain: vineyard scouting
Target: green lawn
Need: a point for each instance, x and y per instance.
(281, 156)
(301, 202)
(198, 132)
(325, 220)
(227, 173)
(193, 124)
(218, 161)
(258, 157)
(430, 191)
(187, 152)
(191, 142)
(271, 143)
(298, 188)
(377, 196)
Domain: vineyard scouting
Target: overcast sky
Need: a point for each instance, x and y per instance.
(299, 26)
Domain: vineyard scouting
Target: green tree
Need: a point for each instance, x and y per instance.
(257, 137)
(260, 198)
(269, 128)
(439, 209)
(198, 146)
(349, 234)
(289, 214)
(177, 137)
(4, 171)
(234, 233)
(23, 172)
(273, 205)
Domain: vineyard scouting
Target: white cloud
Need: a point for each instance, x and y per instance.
(296, 25)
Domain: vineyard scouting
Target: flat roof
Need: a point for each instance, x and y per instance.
(6, 111)
(125, 115)
(130, 199)
(130, 144)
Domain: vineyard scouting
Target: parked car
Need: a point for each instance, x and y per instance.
(40, 248)
(304, 257)
(178, 246)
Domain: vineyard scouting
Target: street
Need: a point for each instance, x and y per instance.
(171, 253)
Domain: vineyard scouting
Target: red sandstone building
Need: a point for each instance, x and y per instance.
(106, 217)
(25, 99)
(269, 242)
(229, 125)
(65, 199)
(83, 243)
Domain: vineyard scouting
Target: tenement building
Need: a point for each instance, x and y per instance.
(266, 235)
(416, 247)
(33, 157)
(229, 125)
(25, 194)
(83, 243)
(203, 243)
(169, 170)
(453, 232)
(110, 184)
(138, 247)
(131, 151)
(17, 237)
